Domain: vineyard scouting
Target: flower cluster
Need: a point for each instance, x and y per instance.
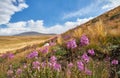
(52, 43)
(32, 54)
(85, 57)
(36, 65)
(80, 65)
(88, 72)
(84, 40)
(19, 71)
(53, 63)
(44, 49)
(43, 64)
(82, 68)
(10, 72)
(91, 52)
(71, 44)
(114, 62)
(70, 65)
(8, 55)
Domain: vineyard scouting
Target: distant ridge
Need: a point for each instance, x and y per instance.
(32, 33)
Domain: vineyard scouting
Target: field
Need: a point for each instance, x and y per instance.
(91, 50)
(11, 43)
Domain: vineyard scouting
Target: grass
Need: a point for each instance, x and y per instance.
(12, 43)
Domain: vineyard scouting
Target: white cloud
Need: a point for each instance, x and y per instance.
(111, 4)
(8, 8)
(31, 25)
(97, 6)
(93, 7)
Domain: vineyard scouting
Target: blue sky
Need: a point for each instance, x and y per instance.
(50, 11)
(49, 16)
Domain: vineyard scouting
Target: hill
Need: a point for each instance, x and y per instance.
(31, 33)
(110, 19)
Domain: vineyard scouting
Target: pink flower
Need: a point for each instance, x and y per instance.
(53, 59)
(88, 72)
(36, 65)
(70, 65)
(57, 66)
(84, 40)
(44, 49)
(80, 65)
(19, 71)
(85, 57)
(114, 62)
(8, 55)
(71, 44)
(10, 72)
(5, 55)
(91, 52)
(33, 54)
(52, 43)
(11, 55)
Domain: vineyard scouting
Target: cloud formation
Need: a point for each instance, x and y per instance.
(9, 7)
(98, 6)
(31, 25)
(111, 4)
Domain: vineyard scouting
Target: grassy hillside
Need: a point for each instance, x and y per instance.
(110, 21)
(91, 50)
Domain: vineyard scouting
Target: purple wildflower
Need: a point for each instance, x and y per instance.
(10, 72)
(88, 72)
(4, 55)
(19, 71)
(10, 55)
(44, 49)
(84, 40)
(57, 66)
(52, 43)
(85, 57)
(53, 59)
(36, 65)
(33, 54)
(114, 62)
(91, 52)
(43, 64)
(70, 65)
(80, 65)
(71, 44)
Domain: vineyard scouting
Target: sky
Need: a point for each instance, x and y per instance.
(49, 16)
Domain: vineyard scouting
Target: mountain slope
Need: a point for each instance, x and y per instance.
(110, 19)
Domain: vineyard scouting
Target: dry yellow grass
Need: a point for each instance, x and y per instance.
(77, 33)
(97, 33)
(12, 43)
(60, 40)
